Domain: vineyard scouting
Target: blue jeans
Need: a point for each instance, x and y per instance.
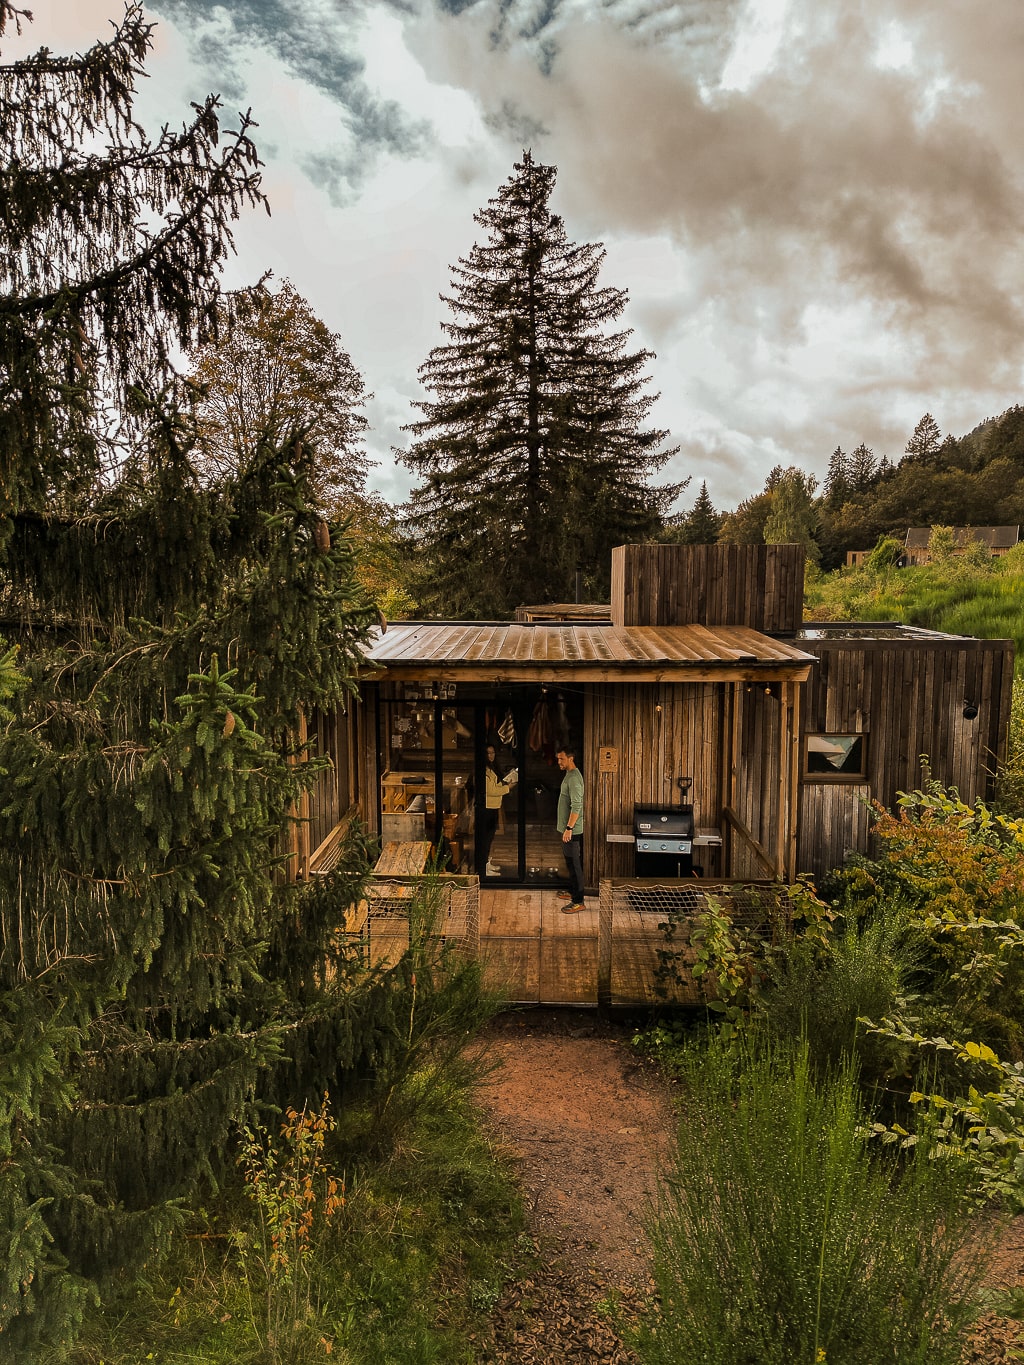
(572, 852)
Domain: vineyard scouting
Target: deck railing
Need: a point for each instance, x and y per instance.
(444, 906)
(644, 949)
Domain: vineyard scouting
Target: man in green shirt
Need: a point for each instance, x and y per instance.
(570, 826)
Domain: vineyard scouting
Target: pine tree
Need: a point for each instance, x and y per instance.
(702, 523)
(157, 977)
(532, 453)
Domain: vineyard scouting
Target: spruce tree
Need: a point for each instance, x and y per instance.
(703, 523)
(837, 478)
(532, 453)
(158, 974)
(923, 445)
(863, 469)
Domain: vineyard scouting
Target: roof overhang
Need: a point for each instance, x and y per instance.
(508, 652)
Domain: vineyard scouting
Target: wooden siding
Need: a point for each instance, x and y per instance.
(661, 732)
(908, 698)
(759, 586)
(834, 821)
(336, 789)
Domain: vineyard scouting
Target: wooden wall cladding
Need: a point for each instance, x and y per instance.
(908, 698)
(834, 821)
(662, 731)
(334, 735)
(758, 746)
(760, 586)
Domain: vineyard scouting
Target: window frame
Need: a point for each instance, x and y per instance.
(849, 778)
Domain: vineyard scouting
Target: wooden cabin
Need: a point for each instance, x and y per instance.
(699, 683)
(997, 540)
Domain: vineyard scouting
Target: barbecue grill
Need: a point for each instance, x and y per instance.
(663, 841)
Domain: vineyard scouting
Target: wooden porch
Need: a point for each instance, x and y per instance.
(531, 952)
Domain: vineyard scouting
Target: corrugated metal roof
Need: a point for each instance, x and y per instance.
(477, 648)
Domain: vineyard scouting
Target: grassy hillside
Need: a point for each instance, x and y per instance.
(965, 597)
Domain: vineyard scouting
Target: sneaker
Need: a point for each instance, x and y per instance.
(565, 895)
(574, 908)
(491, 871)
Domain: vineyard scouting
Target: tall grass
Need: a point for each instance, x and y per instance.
(782, 1239)
(958, 597)
(863, 972)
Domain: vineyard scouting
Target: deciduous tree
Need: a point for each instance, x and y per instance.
(276, 369)
(793, 518)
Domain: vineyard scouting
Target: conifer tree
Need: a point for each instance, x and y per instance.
(923, 445)
(156, 977)
(532, 453)
(863, 469)
(702, 523)
(837, 478)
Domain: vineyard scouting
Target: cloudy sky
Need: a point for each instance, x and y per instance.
(815, 205)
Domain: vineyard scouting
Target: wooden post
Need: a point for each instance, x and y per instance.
(794, 782)
(604, 944)
(781, 839)
(735, 736)
(302, 832)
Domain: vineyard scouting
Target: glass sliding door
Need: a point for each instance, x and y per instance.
(522, 730)
(439, 757)
(499, 852)
(457, 829)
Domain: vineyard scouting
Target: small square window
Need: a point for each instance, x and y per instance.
(841, 756)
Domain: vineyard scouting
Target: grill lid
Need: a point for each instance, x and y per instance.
(663, 822)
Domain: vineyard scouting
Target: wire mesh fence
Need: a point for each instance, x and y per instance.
(398, 909)
(646, 955)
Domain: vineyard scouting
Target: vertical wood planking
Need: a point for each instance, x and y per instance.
(760, 586)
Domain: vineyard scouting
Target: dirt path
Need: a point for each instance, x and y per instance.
(590, 1129)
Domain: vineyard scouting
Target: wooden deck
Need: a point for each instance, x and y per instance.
(532, 952)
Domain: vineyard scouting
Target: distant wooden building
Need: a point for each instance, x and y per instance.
(996, 539)
(701, 683)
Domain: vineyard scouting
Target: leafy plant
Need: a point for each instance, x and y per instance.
(297, 1197)
(983, 1126)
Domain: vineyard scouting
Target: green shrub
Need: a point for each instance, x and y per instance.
(782, 1239)
(861, 971)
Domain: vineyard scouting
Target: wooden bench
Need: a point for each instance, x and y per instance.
(403, 859)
